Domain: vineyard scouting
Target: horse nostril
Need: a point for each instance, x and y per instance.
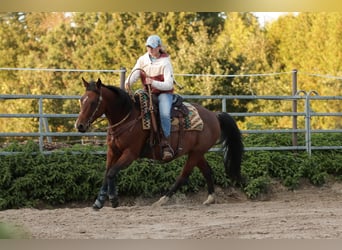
(81, 127)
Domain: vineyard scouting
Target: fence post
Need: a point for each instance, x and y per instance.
(41, 139)
(122, 77)
(308, 121)
(294, 107)
(224, 105)
(46, 126)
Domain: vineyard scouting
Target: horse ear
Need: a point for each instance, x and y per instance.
(85, 83)
(98, 83)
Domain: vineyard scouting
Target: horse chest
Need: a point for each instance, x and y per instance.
(114, 143)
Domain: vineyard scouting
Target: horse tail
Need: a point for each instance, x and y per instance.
(232, 146)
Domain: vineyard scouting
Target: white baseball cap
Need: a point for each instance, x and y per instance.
(153, 41)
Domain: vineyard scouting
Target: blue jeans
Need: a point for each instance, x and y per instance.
(165, 104)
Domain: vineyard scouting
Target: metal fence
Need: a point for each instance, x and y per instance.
(44, 134)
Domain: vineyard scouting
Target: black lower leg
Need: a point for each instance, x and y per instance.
(112, 192)
(209, 179)
(179, 182)
(207, 173)
(101, 197)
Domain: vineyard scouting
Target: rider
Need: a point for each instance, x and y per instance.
(156, 63)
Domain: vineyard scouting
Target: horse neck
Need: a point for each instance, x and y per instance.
(114, 114)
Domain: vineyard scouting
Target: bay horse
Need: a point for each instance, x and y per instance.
(126, 140)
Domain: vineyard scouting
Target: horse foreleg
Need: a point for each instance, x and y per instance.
(102, 195)
(112, 192)
(124, 161)
(108, 188)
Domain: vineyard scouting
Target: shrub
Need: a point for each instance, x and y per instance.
(75, 174)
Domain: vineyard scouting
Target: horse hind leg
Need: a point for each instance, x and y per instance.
(181, 180)
(210, 200)
(207, 172)
(205, 169)
(162, 201)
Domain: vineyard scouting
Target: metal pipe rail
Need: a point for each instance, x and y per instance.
(301, 95)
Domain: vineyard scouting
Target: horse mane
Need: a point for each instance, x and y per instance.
(123, 99)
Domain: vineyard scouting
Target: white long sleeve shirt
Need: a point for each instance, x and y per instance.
(159, 69)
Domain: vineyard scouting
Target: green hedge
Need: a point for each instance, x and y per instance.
(30, 178)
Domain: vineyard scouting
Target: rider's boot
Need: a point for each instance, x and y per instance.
(167, 149)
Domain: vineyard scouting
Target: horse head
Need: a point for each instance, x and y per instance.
(90, 105)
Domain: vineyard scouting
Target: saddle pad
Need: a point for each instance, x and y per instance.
(191, 122)
(144, 107)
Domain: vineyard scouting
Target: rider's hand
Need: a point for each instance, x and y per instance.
(127, 87)
(148, 81)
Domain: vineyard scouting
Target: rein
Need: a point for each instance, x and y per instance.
(120, 122)
(149, 90)
(116, 124)
(129, 90)
(120, 130)
(96, 109)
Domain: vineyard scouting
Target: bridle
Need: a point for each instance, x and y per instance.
(99, 101)
(89, 121)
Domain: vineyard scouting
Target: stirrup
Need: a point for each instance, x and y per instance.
(167, 153)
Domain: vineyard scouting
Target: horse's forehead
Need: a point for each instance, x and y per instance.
(91, 91)
(89, 95)
(92, 87)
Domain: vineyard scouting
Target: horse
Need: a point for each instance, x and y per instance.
(126, 140)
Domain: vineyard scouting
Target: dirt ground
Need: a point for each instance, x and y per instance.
(307, 213)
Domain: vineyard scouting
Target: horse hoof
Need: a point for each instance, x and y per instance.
(162, 201)
(114, 202)
(97, 205)
(210, 200)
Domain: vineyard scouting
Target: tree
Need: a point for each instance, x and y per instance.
(198, 43)
(310, 42)
(240, 49)
(13, 46)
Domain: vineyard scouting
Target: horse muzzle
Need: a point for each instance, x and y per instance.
(81, 127)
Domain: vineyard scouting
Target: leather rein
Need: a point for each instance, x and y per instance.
(115, 129)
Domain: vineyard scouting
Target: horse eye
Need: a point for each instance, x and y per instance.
(93, 104)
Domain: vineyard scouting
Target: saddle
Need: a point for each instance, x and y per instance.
(184, 116)
(178, 108)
